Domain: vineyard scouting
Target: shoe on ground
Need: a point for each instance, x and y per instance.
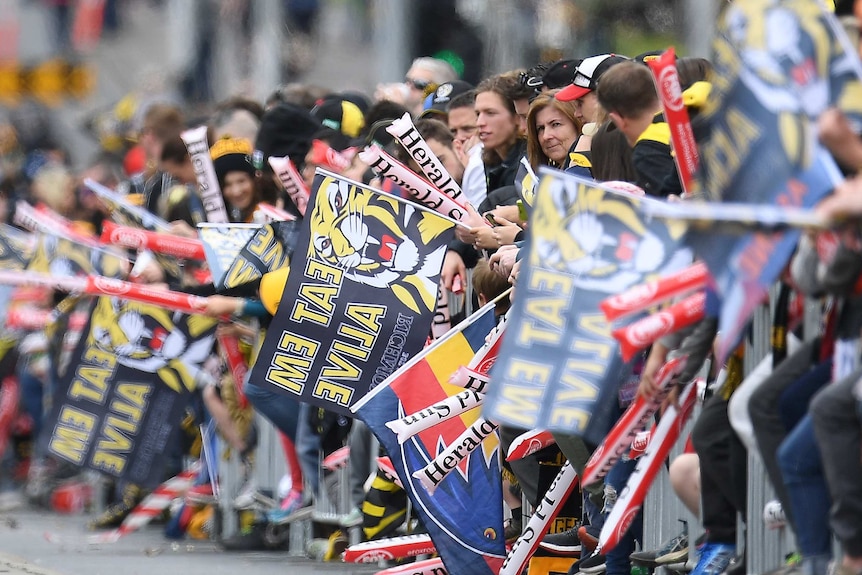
(676, 545)
(737, 565)
(200, 494)
(589, 537)
(114, 515)
(353, 519)
(674, 558)
(593, 565)
(564, 543)
(693, 558)
(714, 558)
(289, 505)
(513, 529)
(247, 497)
(793, 558)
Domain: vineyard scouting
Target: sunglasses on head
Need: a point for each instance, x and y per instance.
(420, 85)
(530, 81)
(374, 130)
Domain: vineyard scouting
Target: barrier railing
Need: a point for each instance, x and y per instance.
(765, 548)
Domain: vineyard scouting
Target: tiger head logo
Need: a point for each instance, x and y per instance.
(366, 234)
(145, 338)
(605, 243)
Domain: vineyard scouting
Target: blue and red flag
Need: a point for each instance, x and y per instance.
(778, 66)
(464, 516)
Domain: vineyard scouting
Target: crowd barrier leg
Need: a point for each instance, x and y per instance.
(767, 548)
(269, 468)
(663, 511)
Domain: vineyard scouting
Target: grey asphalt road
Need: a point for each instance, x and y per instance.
(25, 550)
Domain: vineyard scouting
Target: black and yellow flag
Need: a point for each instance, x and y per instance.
(134, 369)
(65, 257)
(359, 297)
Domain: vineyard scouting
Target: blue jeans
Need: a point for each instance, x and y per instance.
(33, 392)
(592, 512)
(617, 559)
(839, 435)
(801, 467)
(796, 398)
(308, 449)
(32, 399)
(281, 410)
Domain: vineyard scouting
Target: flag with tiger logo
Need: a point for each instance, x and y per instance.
(778, 67)
(121, 400)
(359, 297)
(560, 367)
(463, 515)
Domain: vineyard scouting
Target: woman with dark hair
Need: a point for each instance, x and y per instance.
(611, 155)
(236, 177)
(499, 127)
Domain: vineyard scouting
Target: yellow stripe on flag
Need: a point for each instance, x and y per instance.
(444, 361)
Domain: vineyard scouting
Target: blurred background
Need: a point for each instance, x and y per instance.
(77, 73)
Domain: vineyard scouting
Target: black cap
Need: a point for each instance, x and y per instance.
(560, 74)
(340, 114)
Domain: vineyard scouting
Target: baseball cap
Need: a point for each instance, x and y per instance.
(341, 115)
(436, 102)
(560, 74)
(587, 76)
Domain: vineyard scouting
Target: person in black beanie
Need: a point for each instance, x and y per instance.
(285, 130)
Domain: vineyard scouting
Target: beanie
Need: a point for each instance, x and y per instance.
(285, 130)
(231, 155)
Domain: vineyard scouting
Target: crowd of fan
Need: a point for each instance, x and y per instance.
(598, 117)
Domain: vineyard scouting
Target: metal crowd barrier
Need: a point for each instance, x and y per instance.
(663, 511)
(270, 466)
(765, 548)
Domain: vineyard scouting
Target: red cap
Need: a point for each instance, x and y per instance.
(587, 76)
